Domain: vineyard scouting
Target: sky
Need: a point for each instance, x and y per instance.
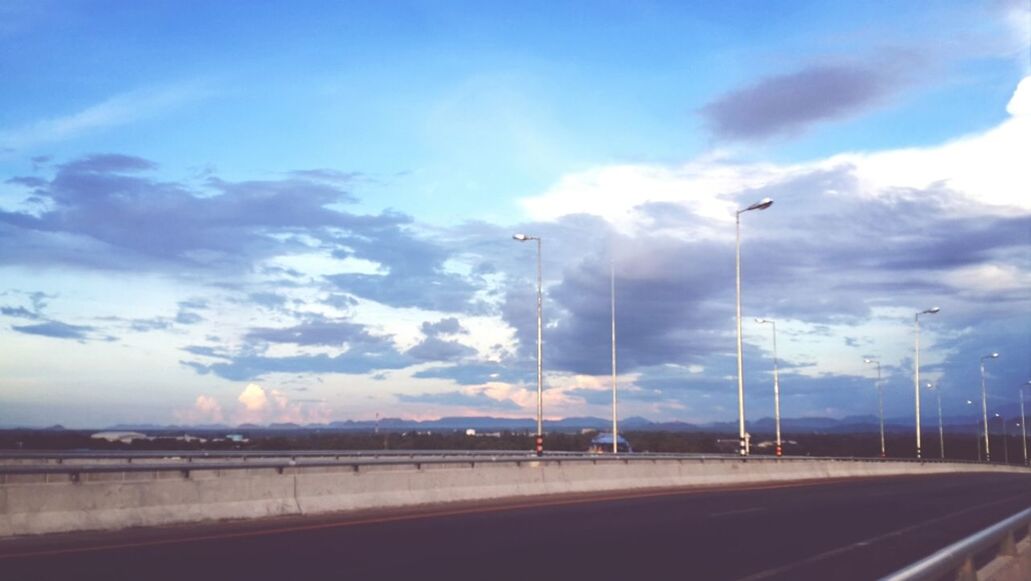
(230, 212)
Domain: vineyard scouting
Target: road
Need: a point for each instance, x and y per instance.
(848, 529)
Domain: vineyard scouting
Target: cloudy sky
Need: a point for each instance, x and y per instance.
(256, 212)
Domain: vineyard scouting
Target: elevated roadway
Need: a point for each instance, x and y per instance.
(835, 529)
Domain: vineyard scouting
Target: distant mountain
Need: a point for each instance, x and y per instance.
(851, 424)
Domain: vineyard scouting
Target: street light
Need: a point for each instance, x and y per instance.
(612, 294)
(1023, 420)
(984, 407)
(880, 399)
(776, 384)
(941, 429)
(977, 433)
(742, 444)
(540, 375)
(916, 371)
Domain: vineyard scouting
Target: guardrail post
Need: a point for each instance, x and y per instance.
(966, 571)
(1008, 546)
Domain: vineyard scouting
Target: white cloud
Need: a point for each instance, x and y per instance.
(206, 409)
(987, 170)
(271, 405)
(118, 110)
(253, 398)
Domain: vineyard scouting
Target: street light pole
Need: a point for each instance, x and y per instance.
(984, 407)
(1023, 421)
(941, 429)
(612, 294)
(880, 400)
(916, 372)
(742, 443)
(776, 385)
(539, 444)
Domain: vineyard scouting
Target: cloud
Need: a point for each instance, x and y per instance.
(58, 330)
(258, 404)
(448, 326)
(434, 348)
(104, 212)
(119, 110)
(253, 398)
(475, 400)
(789, 103)
(19, 312)
(205, 410)
(245, 366)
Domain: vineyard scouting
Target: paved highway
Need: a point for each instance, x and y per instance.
(854, 529)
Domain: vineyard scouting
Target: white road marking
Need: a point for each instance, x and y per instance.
(816, 558)
(741, 511)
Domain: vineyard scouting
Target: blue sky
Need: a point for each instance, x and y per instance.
(244, 211)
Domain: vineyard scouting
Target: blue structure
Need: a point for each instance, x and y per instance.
(602, 444)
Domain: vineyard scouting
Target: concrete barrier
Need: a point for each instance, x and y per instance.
(70, 498)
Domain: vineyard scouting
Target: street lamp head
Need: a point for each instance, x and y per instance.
(994, 356)
(761, 321)
(520, 237)
(969, 402)
(760, 205)
(869, 361)
(931, 311)
(997, 414)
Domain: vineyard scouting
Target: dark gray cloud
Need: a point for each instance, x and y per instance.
(364, 352)
(58, 330)
(246, 367)
(825, 254)
(481, 372)
(19, 312)
(448, 326)
(323, 332)
(460, 399)
(107, 212)
(436, 349)
(788, 103)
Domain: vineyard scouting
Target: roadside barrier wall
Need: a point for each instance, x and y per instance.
(74, 498)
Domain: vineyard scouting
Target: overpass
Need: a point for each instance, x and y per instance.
(63, 492)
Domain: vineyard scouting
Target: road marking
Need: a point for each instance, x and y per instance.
(424, 515)
(840, 550)
(741, 511)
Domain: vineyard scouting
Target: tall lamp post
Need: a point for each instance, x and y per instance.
(776, 384)
(941, 429)
(742, 443)
(539, 444)
(880, 399)
(916, 371)
(612, 294)
(984, 407)
(1023, 420)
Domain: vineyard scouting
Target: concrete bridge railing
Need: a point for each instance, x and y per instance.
(48, 498)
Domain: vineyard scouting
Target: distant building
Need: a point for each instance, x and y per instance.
(602, 444)
(123, 437)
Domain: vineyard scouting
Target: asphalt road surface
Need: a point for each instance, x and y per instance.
(846, 529)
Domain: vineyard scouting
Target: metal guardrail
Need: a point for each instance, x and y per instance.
(958, 561)
(244, 454)
(354, 462)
